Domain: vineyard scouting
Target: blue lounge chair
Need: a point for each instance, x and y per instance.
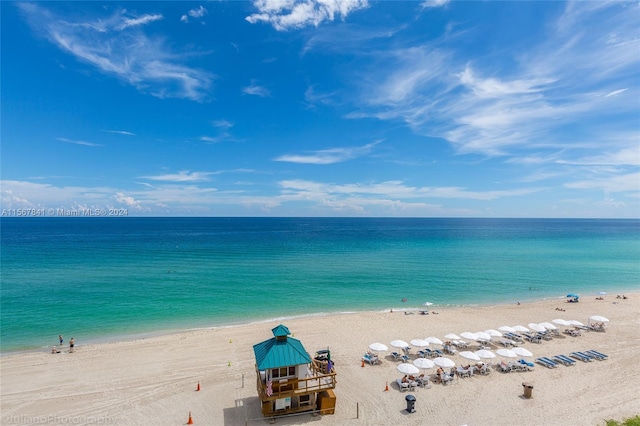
(564, 360)
(395, 355)
(598, 355)
(581, 356)
(527, 363)
(547, 362)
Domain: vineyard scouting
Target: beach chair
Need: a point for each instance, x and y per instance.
(598, 355)
(424, 382)
(405, 358)
(402, 386)
(563, 359)
(581, 356)
(547, 362)
(395, 356)
(371, 359)
(446, 378)
(528, 366)
(504, 367)
(516, 366)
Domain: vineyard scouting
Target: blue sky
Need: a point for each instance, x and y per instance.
(323, 108)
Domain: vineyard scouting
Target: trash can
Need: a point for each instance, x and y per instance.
(528, 389)
(411, 403)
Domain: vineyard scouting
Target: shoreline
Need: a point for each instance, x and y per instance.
(110, 339)
(152, 380)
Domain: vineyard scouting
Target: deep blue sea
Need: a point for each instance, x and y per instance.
(109, 278)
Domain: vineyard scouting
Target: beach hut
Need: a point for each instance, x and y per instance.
(289, 380)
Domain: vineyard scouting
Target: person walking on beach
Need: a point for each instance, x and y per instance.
(60, 338)
(72, 342)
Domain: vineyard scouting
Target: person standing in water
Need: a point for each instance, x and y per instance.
(72, 342)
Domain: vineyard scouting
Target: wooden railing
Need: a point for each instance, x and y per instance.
(295, 386)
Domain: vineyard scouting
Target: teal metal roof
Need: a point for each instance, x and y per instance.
(280, 330)
(280, 352)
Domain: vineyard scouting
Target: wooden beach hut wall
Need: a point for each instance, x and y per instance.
(288, 379)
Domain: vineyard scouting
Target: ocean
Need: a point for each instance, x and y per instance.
(101, 279)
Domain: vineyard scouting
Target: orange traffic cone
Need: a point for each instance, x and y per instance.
(363, 362)
(198, 388)
(386, 386)
(190, 421)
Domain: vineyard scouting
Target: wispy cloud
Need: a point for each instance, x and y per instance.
(430, 4)
(77, 142)
(256, 90)
(328, 156)
(222, 127)
(182, 176)
(116, 45)
(284, 15)
(194, 13)
(141, 20)
(397, 189)
(615, 93)
(222, 124)
(121, 132)
(558, 95)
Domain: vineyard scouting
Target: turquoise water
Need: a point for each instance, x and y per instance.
(105, 278)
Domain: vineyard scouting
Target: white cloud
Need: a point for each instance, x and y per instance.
(328, 156)
(397, 189)
(256, 90)
(194, 13)
(141, 20)
(121, 132)
(429, 4)
(222, 124)
(117, 46)
(76, 142)
(289, 14)
(182, 176)
(615, 92)
(558, 95)
(127, 201)
(610, 184)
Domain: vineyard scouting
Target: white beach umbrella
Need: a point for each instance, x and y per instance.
(521, 328)
(507, 353)
(407, 368)
(483, 353)
(443, 362)
(576, 322)
(548, 326)
(469, 335)
(599, 318)
(507, 329)
(493, 333)
(561, 321)
(481, 335)
(521, 351)
(420, 343)
(536, 327)
(433, 340)
(423, 363)
(469, 355)
(399, 344)
(378, 347)
(452, 336)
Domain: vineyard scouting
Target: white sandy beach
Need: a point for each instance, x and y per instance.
(153, 381)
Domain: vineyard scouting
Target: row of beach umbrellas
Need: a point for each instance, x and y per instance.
(424, 363)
